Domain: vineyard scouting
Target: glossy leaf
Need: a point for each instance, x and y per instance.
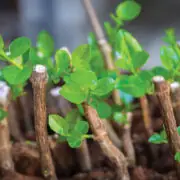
(81, 56)
(169, 57)
(170, 36)
(104, 110)
(75, 140)
(139, 59)
(15, 76)
(157, 139)
(132, 85)
(160, 71)
(128, 10)
(104, 86)
(58, 124)
(84, 78)
(45, 44)
(62, 58)
(120, 117)
(19, 46)
(73, 93)
(81, 127)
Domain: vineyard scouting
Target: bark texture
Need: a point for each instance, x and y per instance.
(175, 96)
(6, 162)
(39, 81)
(162, 91)
(100, 135)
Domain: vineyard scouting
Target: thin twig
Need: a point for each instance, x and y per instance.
(100, 135)
(162, 91)
(146, 115)
(6, 162)
(39, 81)
(127, 142)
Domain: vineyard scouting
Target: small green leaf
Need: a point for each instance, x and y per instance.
(75, 140)
(169, 58)
(104, 86)
(139, 59)
(104, 110)
(81, 127)
(17, 90)
(84, 78)
(74, 93)
(80, 108)
(58, 124)
(120, 118)
(132, 85)
(177, 157)
(19, 46)
(3, 114)
(160, 71)
(1, 43)
(62, 58)
(81, 56)
(128, 10)
(123, 64)
(178, 130)
(157, 139)
(170, 36)
(15, 76)
(45, 44)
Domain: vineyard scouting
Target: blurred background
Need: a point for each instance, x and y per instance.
(67, 21)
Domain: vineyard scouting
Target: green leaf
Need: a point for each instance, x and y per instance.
(75, 140)
(139, 59)
(15, 76)
(84, 78)
(126, 46)
(157, 139)
(104, 110)
(81, 56)
(132, 85)
(3, 114)
(80, 108)
(73, 93)
(33, 56)
(177, 157)
(178, 130)
(123, 64)
(128, 10)
(81, 127)
(120, 118)
(45, 44)
(104, 86)
(169, 58)
(1, 43)
(160, 71)
(58, 124)
(19, 46)
(17, 90)
(62, 58)
(170, 36)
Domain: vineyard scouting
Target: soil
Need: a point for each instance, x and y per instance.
(154, 162)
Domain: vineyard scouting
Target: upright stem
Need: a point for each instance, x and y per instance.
(105, 48)
(83, 157)
(112, 134)
(27, 115)
(82, 152)
(175, 96)
(39, 81)
(6, 162)
(146, 115)
(162, 91)
(14, 124)
(100, 135)
(127, 141)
